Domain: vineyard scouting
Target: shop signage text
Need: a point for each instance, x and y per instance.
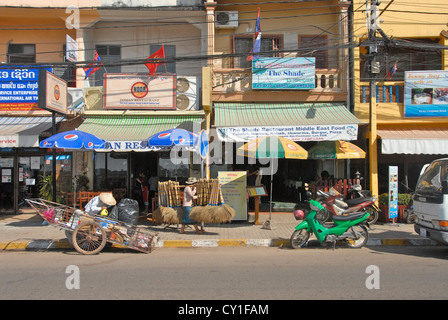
(295, 133)
(139, 91)
(283, 73)
(19, 88)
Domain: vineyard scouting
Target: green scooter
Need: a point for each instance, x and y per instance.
(352, 228)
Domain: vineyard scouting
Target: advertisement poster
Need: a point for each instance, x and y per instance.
(393, 192)
(283, 73)
(426, 93)
(139, 91)
(233, 186)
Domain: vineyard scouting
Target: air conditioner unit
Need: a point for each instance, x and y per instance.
(187, 97)
(226, 19)
(75, 100)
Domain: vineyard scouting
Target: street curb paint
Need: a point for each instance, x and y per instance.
(43, 244)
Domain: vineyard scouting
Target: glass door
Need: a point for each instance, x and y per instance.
(7, 184)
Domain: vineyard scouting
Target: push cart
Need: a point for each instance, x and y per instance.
(90, 233)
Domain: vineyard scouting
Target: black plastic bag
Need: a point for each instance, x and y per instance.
(128, 211)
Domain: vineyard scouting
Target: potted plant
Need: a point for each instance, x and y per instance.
(46, 187)
(404, 201)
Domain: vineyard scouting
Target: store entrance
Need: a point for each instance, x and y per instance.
(142, 162)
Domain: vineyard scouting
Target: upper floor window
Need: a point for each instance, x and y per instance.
(314, 46)
(21, 53)
(242, 46)
(110, 56)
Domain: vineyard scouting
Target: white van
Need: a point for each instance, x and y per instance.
(431, 202)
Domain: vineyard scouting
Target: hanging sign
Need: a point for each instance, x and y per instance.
(283, 73)
(52, 92)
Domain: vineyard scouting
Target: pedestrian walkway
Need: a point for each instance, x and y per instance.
(26, 232)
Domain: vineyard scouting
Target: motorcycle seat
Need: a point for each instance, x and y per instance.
(349, 217)
(355, 201)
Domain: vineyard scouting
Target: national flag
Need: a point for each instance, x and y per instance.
(257, 43)
(152, 66)
(93, 67)
(392, 71)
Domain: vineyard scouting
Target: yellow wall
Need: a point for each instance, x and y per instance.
(400, 20)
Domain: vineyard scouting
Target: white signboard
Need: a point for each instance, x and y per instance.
(294, 133)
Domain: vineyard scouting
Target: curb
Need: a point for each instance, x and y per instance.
(39, 245)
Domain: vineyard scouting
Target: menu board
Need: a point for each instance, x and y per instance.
(233, 186)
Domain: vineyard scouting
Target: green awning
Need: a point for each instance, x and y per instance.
(125, 133)
(295, 121)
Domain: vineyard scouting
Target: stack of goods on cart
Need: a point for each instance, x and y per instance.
(210, 206)
(127, 235)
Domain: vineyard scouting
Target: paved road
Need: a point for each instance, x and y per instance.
(228, 273)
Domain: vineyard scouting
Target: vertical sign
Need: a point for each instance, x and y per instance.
(393, 192)
(233, 186)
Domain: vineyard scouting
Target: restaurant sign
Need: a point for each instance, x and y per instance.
(283, 73)
(426, 93)
(295, 133)
(139, 91)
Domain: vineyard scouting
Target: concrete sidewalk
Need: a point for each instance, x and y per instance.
(25, 232)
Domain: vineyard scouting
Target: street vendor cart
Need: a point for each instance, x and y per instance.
(90, 233)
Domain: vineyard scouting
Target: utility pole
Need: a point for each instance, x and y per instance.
(374, 69)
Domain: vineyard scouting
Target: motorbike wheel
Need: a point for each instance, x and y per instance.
(361, 238)
(299, 238)
(373, 215)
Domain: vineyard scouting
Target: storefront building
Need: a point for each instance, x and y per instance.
(408, 110)
(79, 32)
(297, 87)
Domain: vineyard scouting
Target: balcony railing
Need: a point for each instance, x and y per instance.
(240, 80)
(386, 92)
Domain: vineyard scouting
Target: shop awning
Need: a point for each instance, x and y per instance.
(125, 133)
(414, 141)
(23, 131)
(295, 121)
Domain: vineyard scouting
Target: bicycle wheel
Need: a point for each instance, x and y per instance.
(299, 238)
(360, 236)
(89, 238)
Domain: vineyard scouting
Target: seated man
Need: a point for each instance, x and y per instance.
(98, 203)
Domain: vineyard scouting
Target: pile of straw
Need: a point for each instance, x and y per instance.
(210, 206)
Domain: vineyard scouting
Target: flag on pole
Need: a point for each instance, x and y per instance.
(392, 71)
(257, 43)
(152, 66)
(93, 67)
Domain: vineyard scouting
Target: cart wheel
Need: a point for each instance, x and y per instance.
(89, 238)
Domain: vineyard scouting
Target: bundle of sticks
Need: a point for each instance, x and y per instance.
(170, 209)
(210, 206)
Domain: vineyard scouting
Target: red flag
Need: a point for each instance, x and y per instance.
(152, 66)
